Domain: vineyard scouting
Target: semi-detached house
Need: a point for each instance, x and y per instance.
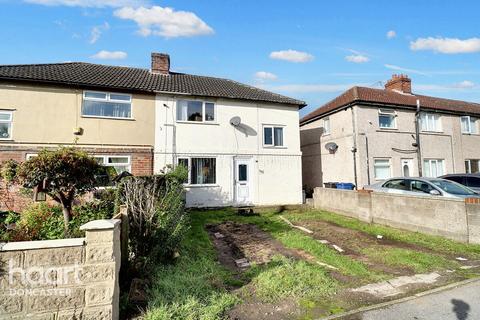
(366, 135)
(241, 144)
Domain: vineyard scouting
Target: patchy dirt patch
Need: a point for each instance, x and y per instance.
(235, 241)
(284, 310)
(353, 242)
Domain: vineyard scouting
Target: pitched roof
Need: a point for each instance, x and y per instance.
(135, 79)
(387, 97)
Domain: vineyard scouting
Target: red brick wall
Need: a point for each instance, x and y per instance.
(11, 199)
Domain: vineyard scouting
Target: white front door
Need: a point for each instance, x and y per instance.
(243, 189)
(407, 167)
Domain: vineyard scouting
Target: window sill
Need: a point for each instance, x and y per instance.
(388, 129)
(199, 122)
(201, 186)
(108, 118)
(470, 134)
(431, 131)
(275, 147)
(6, 139)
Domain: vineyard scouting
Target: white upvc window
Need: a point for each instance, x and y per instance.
(430, 122)
(6, 120)
(120, 163)
(433, 168)
(387, 119)
(273, 136)
(107, 105)
(195, 111)
(326, 125)
(29, 156)
(472, 166)
(382, 169)
(469, 124)
(201, 171)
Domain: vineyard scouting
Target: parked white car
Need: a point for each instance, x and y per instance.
(424, 187)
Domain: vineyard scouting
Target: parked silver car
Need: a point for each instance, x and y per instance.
(423, 187)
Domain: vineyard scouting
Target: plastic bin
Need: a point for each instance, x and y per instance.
(332, 185)
(345, 186)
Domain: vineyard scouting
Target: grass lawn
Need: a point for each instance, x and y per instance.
(198, 286)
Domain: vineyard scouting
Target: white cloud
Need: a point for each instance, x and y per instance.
(446, 45)
(466, 84)
(292, 56)
(165, 22)
(97, 32)
(109, 55)
(391, 34)
(460, 86)
(89, 3)
(265, 76)
(357, 58)
(398, 68)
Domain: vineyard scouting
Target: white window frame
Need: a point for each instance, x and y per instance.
(189, 179)
(472, 124)
(326, 126)
(10, 122)
(468, 168)
(387, 112)
(204, 121)
(29, 156)
(106, 164)
(426, 117)
(108, 99)
(430, 161)
(272, 145)
(389, 167)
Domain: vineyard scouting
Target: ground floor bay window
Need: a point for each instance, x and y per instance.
(201, 171)
(433, 168)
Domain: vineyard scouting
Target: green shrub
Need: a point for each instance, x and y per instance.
(39, 221)
(157, 218)
(8, 170)
(93, 210)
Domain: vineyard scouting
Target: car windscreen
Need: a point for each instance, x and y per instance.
(452, 187)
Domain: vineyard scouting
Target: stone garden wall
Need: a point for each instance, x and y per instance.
(63, 279)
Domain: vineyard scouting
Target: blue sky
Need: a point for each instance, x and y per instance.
(311, 50)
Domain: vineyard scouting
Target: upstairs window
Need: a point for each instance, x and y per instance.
(272, 136)
(386, 119)
(107, 105)
(195, 111)
(469, 125)
(326, 125)
(6, 125)
(430, 122)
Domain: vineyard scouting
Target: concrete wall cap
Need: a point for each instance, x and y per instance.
(100, 224)
(41, 244)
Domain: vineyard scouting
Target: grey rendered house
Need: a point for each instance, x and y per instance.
(367, 135)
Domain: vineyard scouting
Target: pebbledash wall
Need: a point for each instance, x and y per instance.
(63, 279)
(456, 219)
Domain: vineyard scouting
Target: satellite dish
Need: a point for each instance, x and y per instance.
(331, 147)
(235, 121)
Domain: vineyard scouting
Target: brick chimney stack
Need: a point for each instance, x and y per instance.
(160, 63)
(399, 82)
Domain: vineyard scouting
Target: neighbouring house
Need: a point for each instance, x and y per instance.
(141, 121)
(367, 135)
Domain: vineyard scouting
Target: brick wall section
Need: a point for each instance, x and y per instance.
(95, 295)
(11, 199)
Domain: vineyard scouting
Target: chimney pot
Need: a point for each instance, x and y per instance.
(160, 63)
(399, 82)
